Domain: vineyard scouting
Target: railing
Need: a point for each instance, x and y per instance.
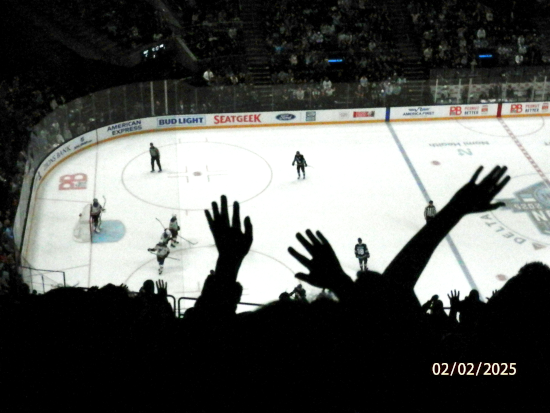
(181, 311)
(449, 86)
(44, 280)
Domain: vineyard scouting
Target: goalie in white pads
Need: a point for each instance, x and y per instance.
(174, 228)
(161, 251)
(95, 213)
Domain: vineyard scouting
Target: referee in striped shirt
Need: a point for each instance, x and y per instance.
(429, 211)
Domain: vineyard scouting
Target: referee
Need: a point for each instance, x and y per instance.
(429, 212)
(155, 157)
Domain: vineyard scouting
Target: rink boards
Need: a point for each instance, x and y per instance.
(356, 168)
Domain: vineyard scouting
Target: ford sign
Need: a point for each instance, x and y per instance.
(286, 116)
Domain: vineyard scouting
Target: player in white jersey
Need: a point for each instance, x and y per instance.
(166, 236)
(95, 213)
(174, 228)
(161, 251)
(362, 253)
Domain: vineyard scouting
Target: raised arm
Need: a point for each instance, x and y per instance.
(408, 265)
(324, 268)
(221, 291)
(232, 243)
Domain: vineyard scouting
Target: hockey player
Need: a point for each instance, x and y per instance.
(299, 293)
(174, 228)
(95, 213)
(166, 236)
(300, 164)
(362, 253)
(161, 251)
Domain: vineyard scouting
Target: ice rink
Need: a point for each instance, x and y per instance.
(369, 181)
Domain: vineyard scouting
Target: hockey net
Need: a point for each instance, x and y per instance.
(83, 229)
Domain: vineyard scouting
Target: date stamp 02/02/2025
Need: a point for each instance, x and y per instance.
(474, 369)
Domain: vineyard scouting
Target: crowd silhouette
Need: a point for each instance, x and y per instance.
(369, 345)
(365, 343)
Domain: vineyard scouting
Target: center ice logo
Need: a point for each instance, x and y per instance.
(535, 201)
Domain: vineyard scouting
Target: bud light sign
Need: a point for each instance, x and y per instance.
(179, 121)
(285, 116)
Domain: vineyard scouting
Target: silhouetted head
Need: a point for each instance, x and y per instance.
(359, 240)
(95, 202)
(474, 295)
(431, 202)
(152, 144)
(297, 153)
(535, 270)
(517, 318)
(525, 295)
(148, 287)
(437, 306)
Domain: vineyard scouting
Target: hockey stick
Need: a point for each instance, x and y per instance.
(151, 252)
(160, 222)
(192, 243)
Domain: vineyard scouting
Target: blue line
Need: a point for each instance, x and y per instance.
(454, 249)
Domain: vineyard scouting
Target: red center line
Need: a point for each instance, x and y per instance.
(92, 235)
(524, 151)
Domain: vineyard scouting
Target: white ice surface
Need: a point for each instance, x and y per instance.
(359, 184)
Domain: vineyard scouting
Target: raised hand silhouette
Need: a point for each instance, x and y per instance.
(454, 298)
(230, 240)
(324, 268)
(493, 293)
(221, 292)
(407, 266)
(162, 288)
(474, 197)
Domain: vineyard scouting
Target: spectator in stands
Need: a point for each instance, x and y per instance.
(208, 76)
(359, 95)
(471, 310)
(481, 33)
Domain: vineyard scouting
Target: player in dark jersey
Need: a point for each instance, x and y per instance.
(174, 228)
(300, 162)
(362, 253)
